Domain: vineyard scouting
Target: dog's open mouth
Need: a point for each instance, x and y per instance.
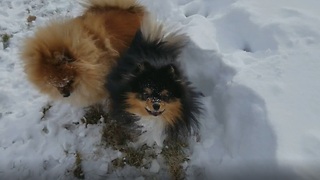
(154, 113)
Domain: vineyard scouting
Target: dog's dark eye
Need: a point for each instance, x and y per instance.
(144, 96)
(165, 97)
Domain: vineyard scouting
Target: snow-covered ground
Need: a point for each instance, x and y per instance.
(256, 62)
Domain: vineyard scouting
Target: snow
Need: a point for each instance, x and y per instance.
(155, 167)
(153, 131)
(256, 62)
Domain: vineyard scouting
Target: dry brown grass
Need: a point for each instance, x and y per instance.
(94, 115)
(174, 155)
(5, 39)
(78, 172)
(117, 137)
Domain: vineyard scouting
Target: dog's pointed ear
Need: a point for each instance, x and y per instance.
(140, 67)
(173, 70)
(134, 71)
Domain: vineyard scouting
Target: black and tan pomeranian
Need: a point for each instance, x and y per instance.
(148, 89)
(69, 58)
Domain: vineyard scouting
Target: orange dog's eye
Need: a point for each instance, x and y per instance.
(63, 57)
(67, 59)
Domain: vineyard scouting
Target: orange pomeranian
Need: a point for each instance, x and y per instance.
(68, 59)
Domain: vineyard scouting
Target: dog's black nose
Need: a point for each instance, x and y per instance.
(156, 106)
(66, 94)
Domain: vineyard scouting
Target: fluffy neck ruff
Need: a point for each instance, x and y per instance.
(152, 130)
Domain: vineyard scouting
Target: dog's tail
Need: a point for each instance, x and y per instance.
(167, 40)
(121, 4)
(154, 30)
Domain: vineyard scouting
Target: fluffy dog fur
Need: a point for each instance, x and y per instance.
(68, 59)
(148, 89)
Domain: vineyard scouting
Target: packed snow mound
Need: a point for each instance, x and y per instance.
(255, 62)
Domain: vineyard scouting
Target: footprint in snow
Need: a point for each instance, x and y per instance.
(205, 8)
(237, 31)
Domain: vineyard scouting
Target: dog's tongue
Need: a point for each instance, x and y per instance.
(156, 113)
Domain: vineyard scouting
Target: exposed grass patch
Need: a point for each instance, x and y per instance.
(117, 137)
(78, 172)
(31, 18)
(131, 157)
(94, 115)
(140, 157)
(5, 38)
(45, 110)
(174, 155)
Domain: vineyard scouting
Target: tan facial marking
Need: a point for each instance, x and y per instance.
(135, 105)
(148, 91)
(164, 93)
(173, 112)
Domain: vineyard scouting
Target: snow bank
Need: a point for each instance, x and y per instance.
(256, 63)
